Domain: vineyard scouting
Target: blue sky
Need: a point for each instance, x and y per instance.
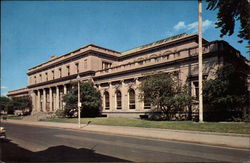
(33, 31)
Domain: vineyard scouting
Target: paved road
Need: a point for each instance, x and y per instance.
(33, 143)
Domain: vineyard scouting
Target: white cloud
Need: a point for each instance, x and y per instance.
(180, 25)
(3, 87)
(168, 34)
(193, 27)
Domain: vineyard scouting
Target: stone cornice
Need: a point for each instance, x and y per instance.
(74, 54)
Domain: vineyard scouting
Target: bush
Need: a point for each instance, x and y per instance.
(60, 113)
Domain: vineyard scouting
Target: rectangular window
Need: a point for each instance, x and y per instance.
(77, 68)
(46, 76)
(68, 70)
(53, 75)
(60, 72)
(85, 63)
(196, 89)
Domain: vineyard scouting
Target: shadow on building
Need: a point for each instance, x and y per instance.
(11, 152)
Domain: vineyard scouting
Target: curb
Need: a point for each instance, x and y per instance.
(241, 141)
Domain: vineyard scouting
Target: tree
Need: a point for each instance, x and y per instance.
(90, 99)
(226, 95)
(20, 103)
(4, 103)
(229, 12)
(165, 93)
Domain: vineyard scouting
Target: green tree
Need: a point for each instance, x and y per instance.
(21, 103)
(90, 99)
(226, 95)
(165, 93)
(4, 103)
(230, 11)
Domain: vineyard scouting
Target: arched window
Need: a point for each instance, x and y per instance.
(131, 99)
(118, 100)
(147, 104)
(106, 101)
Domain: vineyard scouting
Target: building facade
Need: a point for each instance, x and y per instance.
(118, 74)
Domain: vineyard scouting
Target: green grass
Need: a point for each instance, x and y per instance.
(228, 127)
(14, 117)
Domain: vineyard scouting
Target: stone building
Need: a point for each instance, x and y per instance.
(118, 74)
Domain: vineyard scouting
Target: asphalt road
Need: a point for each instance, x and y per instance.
(32, 144)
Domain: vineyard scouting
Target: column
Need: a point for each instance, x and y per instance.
(57, 97)
(44, 100)
(38, 101)
(138, 102)
(65, 89)
(50, 100)
(111, 96)
(124, 96)
(64, 92)
(33, 97)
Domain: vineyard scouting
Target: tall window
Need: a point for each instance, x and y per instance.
(68, 70)
(106, 101)
(196, 89)
(131, 99)
(35, 79)
(85, 63)
(147, 104)
(40, 77)
(46, 76)
(118, 100)
(60, 72)
(53, 75)
(77, 68)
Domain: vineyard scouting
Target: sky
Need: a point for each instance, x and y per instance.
(33, 31)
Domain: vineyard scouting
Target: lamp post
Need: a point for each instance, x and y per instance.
(78, 101)
(200, 61)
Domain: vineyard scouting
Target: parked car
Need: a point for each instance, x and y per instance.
(2, 133)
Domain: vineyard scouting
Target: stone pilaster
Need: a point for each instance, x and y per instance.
(50, 99)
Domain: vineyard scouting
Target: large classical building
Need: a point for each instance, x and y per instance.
(118, 74)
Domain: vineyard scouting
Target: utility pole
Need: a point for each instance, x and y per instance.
(78, 102)
(200, 61)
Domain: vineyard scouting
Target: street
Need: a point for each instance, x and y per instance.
(32, 144)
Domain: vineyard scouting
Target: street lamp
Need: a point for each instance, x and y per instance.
(78, 101)
(200, 61)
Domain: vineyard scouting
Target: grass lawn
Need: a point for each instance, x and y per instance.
(14, 117)
(227, 127)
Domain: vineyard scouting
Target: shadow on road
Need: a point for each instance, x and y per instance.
(11, 152)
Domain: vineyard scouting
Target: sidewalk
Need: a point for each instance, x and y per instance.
(219, 139)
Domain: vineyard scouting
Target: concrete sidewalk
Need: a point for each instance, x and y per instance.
(219, 139)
